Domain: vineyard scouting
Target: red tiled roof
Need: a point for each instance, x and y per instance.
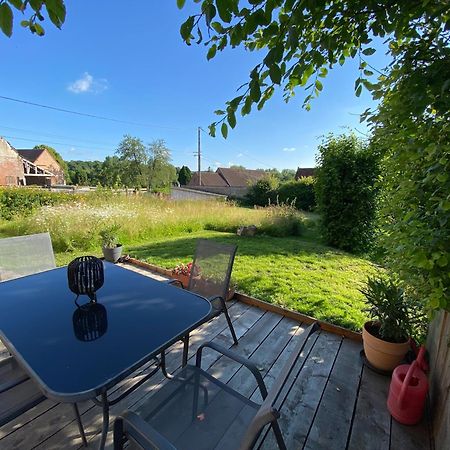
(29, 154)
(306, 172)
(208, 179)
(240, 177)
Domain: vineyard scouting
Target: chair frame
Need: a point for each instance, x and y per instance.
(130, 426)
(217, 302)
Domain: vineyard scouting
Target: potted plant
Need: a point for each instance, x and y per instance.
(386, 338)
(112, 249)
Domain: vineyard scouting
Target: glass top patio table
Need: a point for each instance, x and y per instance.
(138, 318)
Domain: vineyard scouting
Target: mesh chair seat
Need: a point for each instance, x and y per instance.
(18, 393)
(195, 410)
(25, 255)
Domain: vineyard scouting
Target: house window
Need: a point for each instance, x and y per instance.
(10, 181)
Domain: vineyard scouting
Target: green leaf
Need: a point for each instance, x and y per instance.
(223, 7)
(217, 27)
(56, 11)
(16, 3)
(212, 129)
(186, 29)
(6, 19)
(368, 51)
(231, 119)
(318, 85)
(36, 4)
(275, 73)
(211, 52)
(358, 90)
(224, 130)
(38, 29)
(210, 13)
(180, 3)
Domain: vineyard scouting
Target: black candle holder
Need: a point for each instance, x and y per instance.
(90, 322)
(85, 275)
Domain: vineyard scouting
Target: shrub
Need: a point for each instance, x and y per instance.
(298, 193)
(346, 192)
(21, 201)
(413, 131)
(263, 191)
(282, 221)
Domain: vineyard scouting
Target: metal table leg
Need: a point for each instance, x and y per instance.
(105, 426)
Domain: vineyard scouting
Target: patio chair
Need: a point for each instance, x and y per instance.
(25, 255)
(195, 410)
(210, 277)
(21, 256)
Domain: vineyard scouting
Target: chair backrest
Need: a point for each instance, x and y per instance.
(211, 268)
(268, 410)
(25, 255)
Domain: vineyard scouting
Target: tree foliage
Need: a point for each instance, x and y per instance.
(412, 127)
(133, 155)
(161, 174)
(184, 176)
(302, 40)
(54, 9)
(346, 192)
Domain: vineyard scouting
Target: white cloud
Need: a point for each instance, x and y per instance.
(87, 83)
(289, 149)
(240, 155)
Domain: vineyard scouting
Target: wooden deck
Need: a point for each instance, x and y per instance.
(336, 403)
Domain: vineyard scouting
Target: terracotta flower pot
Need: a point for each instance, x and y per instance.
(184, 279)
(381, 354)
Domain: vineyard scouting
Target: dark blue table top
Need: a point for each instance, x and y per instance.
(40, 325)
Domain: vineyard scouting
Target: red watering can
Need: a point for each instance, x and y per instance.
(408, 391)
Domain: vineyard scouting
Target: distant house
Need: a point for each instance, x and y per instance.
(28, 167)
(225, 181)
(43, 159)
(306, 172)
(11, 165)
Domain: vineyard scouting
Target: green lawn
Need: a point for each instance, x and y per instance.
(296, 273)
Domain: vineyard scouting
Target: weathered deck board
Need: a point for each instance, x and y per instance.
(334, 403)
(372, 423)
(334, 415)
(304, 397)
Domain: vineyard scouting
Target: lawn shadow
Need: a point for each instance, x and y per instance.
(183, 248)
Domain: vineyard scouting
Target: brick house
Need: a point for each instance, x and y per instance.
(225, 181)
(11, 166)
(305, 172)
(28, 167)
(44, 160)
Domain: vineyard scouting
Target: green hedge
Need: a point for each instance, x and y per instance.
(296, 193)
(23, 201)
(346, 192)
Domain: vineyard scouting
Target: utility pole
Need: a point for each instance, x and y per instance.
(199, 158)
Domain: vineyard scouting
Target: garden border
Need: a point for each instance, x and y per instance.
(298, 317)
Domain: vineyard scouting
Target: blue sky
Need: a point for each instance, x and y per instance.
(130, 63)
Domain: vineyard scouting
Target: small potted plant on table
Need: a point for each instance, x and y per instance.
(112, 249)
(386, 337)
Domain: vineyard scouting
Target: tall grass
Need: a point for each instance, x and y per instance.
(77, 225)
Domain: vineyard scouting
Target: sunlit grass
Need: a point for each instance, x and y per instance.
(296, 272)
(292, 272)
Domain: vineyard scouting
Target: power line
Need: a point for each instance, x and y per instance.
(243, 152)
(55, 135)
(50, 142)
(94, 116)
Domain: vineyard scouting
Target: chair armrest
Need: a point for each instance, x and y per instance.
(235, 357)
(147, 437)
(174, 281)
